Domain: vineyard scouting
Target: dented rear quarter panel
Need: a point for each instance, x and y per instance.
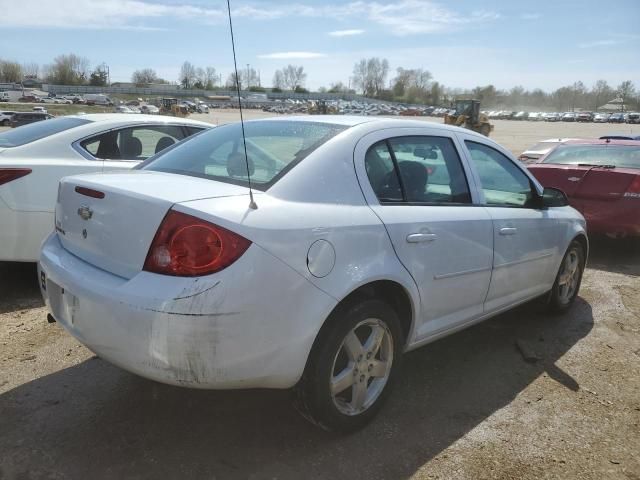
(197, 332)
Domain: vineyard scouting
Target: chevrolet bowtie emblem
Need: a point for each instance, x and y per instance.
(85, 213)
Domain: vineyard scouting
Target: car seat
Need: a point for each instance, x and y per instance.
(414, 179)
(164, 142)
(108, 147)
(237, 166)
(132, 149)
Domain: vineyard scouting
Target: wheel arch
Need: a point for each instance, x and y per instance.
(391, 291)
(582, 239)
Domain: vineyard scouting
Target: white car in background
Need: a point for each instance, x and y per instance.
(150, 109)
(368, 237)
(33, 158)
(5, 117)
(540, 149)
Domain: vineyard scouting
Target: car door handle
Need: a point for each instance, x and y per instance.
(421, 237)
(508, 231)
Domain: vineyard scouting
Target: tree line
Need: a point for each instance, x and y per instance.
(370, 77)
(418, 86)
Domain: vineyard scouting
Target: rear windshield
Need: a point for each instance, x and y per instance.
(624, 156)
(273, 148)
(36, 131)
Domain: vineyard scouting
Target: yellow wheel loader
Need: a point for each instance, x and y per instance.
(467, 114)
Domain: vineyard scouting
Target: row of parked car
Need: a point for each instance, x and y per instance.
(345, 107)
(11, 118)
(596, 117)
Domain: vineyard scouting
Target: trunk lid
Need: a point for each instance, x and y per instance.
(565, 177)
(606, 184)
(586, 182)
(114, 232)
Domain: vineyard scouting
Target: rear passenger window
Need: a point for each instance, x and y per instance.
(133, 143)
(417, 169)
(382, 173)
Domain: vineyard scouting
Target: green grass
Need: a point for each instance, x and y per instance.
(56, 109)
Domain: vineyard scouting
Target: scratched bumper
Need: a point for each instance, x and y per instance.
(251, 325)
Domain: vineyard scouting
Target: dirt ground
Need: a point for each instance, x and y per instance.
(466, 407)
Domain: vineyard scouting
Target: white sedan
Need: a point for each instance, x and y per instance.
(33, 158)
(368, 237)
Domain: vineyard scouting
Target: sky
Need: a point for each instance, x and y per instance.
(464, 43)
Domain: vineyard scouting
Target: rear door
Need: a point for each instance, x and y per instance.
(416, 183)
(525, 238)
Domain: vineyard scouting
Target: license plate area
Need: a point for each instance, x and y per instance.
(63, 303)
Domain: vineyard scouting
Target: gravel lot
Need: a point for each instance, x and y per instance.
(467, 407)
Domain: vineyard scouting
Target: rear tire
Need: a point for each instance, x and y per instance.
(5, 122)
(565, 288)
(352, 366)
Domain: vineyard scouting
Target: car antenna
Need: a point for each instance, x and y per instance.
(252, 203)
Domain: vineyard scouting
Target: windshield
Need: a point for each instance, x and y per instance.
(542, 146)
(273, 148)
(35, 131)
(624, 156)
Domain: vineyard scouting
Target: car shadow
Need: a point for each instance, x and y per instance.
(615, 255)
(19, 287)
(94, 420)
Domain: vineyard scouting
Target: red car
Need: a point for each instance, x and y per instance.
(601, 179)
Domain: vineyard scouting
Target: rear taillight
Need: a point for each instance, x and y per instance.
(187, 246)
(10, 174)
(89, 192)
(634, 189)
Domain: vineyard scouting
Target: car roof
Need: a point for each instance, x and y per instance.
(556, 140)
(597, 141)
(620, 136)
(373, 123)
(132, 118)
(346, 120)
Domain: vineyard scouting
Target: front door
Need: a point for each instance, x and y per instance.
(525, 237)
(417, 185)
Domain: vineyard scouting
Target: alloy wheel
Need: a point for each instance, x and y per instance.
(361, 367)
(569, 277)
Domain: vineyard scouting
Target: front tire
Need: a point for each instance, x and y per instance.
(352, 366)
(565, 288)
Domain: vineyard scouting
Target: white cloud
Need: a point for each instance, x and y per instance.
(292, 55)
(405, 17)
(599, 43)
(410, 17)
(346, 33)
(97, 14)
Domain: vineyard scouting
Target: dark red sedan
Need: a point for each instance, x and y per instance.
(601, 179)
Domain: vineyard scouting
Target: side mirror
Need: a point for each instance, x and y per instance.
(554, 197)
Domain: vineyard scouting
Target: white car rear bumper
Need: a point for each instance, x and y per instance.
(22, 233)
(251, 325)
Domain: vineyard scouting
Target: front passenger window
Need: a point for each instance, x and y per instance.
(503, 183)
